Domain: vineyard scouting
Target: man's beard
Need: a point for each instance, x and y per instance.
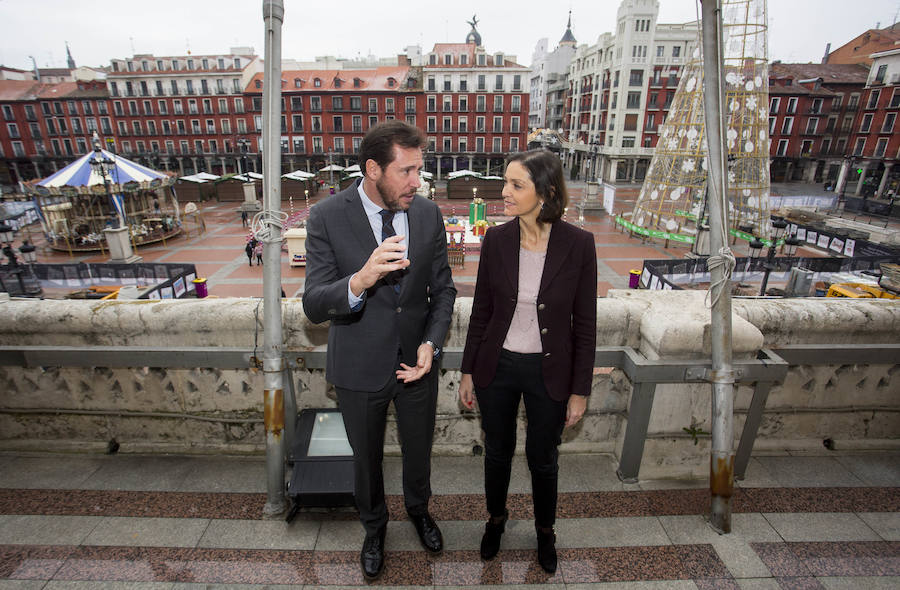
(391, 200)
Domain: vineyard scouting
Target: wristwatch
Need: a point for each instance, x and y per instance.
(434, 347)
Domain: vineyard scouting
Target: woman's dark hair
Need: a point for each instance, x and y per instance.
(378, 144)
(547, 175)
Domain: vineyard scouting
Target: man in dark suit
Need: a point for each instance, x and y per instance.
(376, 266)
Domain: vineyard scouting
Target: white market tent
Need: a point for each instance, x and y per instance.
(200, 177)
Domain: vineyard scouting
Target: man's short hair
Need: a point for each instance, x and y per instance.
(379, 142)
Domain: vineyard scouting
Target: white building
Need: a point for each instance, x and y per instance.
(620, 90)
(549, 71)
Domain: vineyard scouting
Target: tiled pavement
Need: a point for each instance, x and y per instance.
(219, 253)
(179, 522)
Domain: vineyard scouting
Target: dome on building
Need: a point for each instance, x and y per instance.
(474, 36)
(568, 38)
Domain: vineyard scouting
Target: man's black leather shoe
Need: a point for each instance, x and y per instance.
(371, 558)
(429, 533)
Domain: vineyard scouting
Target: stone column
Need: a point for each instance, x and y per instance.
(251, 203)
(471, 159)
(841, 183)
(811, 168)
(437, 175)
(612, 170)
(884, 178)
(862, 179)
(181, 167)
(119, 243)
(454, 164)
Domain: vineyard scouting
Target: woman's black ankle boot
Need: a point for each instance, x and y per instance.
(546, 541)
(493, 530)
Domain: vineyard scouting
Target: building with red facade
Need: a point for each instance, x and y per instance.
(46, 126)
(184, 114)
(875, 136)
(859, 50)
(193, 113)
(476, 107)
(812, 109)
(326, 113)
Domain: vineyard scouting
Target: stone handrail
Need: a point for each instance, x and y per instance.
(219, 410)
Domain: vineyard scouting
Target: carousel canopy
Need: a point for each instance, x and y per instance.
(200, 177)
(80, 173)
(353, 168)
(332, 168)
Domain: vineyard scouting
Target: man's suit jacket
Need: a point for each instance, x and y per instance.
(363, 345)
(566, 307)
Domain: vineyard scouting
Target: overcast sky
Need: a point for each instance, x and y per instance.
(97, 32)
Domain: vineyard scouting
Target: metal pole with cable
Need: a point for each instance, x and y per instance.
(721, 473)
(267, 227)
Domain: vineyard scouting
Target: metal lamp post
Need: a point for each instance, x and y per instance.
(7, 234)
(779, 225)
(595, 149)
(104, 166)
(242, 157)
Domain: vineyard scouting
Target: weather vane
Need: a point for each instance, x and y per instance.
(474, 21)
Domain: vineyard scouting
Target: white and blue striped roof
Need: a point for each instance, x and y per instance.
(80, 172)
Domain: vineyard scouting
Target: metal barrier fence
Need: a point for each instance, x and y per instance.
(672, 273)
(161, 280)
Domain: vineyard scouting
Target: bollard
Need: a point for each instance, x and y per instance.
(634, 278)
(200, 287)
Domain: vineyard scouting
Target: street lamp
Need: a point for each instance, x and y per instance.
(756, 245)
(242, 157)
(27, 252)
(103, 166)
(594, 150)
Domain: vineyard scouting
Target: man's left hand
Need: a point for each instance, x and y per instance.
(424, 355)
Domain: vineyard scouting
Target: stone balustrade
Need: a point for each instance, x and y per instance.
(149, 409)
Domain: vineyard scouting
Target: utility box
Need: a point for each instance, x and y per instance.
(296, 243)
(799, 283)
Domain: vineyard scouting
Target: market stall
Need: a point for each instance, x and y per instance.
(460, 185)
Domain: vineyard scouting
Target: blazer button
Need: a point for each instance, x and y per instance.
(541, 307)
(399, 310)
(544, 330)
(332, 311)
(546, 355)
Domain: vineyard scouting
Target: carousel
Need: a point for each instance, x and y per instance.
(103, 190)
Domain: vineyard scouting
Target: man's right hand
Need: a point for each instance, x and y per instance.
(384, 259)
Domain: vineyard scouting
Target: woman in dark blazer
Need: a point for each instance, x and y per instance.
(532, 336)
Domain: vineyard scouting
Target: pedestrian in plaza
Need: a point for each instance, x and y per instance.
(244, 218)
(258, 252)
(532, 335)
(249, 251)
(376, 266)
